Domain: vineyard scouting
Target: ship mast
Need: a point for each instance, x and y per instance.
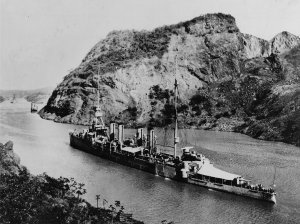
(98, 113)
(176, 139)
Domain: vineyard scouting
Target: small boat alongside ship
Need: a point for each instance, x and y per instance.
(141, 152)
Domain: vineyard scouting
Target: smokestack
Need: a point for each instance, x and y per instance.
(139, 133)
(121, 133)
(112, 130)
(151, 139)
(139, 137)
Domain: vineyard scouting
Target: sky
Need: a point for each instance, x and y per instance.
(42, 40)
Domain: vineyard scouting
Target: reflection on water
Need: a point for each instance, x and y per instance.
(44, 147)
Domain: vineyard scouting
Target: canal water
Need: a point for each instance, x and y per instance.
(44, 147)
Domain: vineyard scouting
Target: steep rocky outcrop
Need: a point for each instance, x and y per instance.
(9, 161)
(227, 80)
(255, 47)
(284, 42)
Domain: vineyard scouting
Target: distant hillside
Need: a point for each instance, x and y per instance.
(40, 95)
(228, 80)
(2, 99)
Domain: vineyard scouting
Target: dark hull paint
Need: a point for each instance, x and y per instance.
(163, 170)
(234, 190)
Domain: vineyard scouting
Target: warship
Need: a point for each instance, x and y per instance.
(141, 152)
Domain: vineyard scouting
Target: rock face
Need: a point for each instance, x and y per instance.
(283, 42)
(227, 80)
(9, 161)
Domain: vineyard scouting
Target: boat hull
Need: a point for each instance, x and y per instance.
(270, 197)
(165, 170)
(160, 169)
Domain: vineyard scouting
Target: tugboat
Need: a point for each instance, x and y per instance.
(34, 108)
(141, 152)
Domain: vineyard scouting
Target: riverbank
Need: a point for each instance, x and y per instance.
(286, 128)
(26, 198)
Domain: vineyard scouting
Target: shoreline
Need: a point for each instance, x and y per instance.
(181, 127)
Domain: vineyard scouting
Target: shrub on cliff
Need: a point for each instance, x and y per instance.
(292, 130)
(42, 199)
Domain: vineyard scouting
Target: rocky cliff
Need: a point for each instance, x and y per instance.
(9, 161)
(227, 80)
(284, 42)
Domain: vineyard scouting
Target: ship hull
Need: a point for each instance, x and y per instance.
(160, 169)
(165, 170)
(233, 190)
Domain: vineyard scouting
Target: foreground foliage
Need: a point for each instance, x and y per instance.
(43, 199)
